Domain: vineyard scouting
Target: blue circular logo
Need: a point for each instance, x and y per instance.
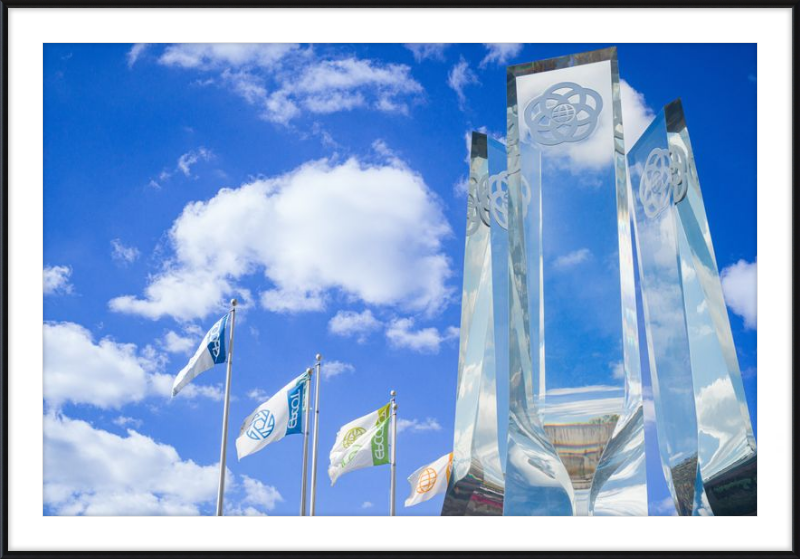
(262, 425)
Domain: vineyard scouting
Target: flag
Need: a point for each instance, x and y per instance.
(430, 480)
(361, 443)
(279, 416)
(212, 351)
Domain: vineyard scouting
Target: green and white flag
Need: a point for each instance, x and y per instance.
(361, 443)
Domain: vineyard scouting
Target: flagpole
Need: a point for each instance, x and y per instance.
(315, 445)
(394, 456)
(224, 445)
(306, 430)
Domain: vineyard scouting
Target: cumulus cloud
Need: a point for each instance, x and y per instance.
(459, 78)
(366, 505)
(176, 343)
(500, 53)
(89, 471)
(286, 81)
(572, 259)
(636, 114)
(401, 334)
(56, 280)
(258, 395)
(106, 374)
(351, 323)
(123, 254)
(417, 426)
(363, 244)
(424, 51)
(739, 283)
(331, 369)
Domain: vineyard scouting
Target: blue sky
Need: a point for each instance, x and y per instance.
(323, 187)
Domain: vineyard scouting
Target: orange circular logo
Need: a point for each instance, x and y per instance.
(427, 480)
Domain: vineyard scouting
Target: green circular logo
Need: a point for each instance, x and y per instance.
(352, 435)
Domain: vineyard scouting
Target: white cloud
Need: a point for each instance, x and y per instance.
(739, 283)
(664, 507)
(461, 76)
(175, 343)
(123, 421)
(417, 426)
(351, 323)
(183, 165)
(500, 53)
(189, 159)
(256, 493)
(226, 55)
(636, 115)
(366, 505)
(56, 280)
(123, 254)
(572, 259)
(331, 369)
(401, 334)
(258, 395)
(135, 52)
(617, 370)
(106, 374)
(363, 244)
(285, 81)
(89, 471)
(424, 51)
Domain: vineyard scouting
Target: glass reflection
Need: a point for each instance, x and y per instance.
(571, 278)
(476, 482)
(704, 431)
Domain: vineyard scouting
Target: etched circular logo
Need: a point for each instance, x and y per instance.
(679, 173)
(656, 182)
(566, 112)
(352, 435)
(498, 185)
(261, 426)
(427, 479)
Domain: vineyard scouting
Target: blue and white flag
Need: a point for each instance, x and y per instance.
(279, 416)
(212, 350)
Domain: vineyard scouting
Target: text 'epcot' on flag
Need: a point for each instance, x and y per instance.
(212, 351)
(279, 416)
(362, 443)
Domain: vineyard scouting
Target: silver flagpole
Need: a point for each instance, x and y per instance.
(394, 455)
(224, 446)
(306, 430)
(316, 438)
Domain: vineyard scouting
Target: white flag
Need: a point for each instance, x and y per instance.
(430, 480)
(361, 443)
(212, 350)
(279, 416)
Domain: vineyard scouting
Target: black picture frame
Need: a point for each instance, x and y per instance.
(499, 4)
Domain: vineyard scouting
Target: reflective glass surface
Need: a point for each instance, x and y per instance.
(575, 382)
(476, 482)
(704, 431)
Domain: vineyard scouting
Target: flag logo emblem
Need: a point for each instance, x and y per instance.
(351, 455)
(262, 425)
(427, 480)
(352, 435)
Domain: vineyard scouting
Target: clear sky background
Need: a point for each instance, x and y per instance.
(324, 187)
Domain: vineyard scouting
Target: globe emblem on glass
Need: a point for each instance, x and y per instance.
(679, 173)
(656, 182)
(498, 186)
(427, 479)
(566, 112)
(478, 202)
(352, 435)
(262, 425)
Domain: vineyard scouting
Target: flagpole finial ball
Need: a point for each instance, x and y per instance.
(319, 357)
(393, 393)
(233, 302)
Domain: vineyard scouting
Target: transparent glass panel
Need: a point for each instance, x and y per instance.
(571, 284)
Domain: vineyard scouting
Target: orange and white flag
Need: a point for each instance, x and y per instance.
(430, 480)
